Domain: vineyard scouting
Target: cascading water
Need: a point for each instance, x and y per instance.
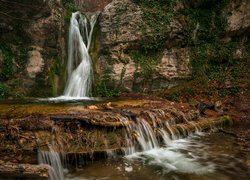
(156, 143)
(53, 159)
(79, 66)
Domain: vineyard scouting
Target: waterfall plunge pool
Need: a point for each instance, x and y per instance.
(200, 156)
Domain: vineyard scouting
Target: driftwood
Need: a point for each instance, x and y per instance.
(24, 170)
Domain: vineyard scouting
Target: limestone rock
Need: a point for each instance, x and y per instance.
(239, 17)
(120, 22)
(35, 63)
(93, 5)
(174, 64)
(35, 30)
(124, 73)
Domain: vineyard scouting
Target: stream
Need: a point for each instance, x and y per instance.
(200, 156)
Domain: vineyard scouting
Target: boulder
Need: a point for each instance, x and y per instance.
(35, 62)
(120, 22)
(238, 17)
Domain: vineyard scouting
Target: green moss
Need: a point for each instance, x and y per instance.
(4, 91)
(147, 62)
(54, 73)
(206, 24)
(70, 5)
(247, 48)
(104, 89)
(6, 70)
(173, 97)
(95, 44)
(228, 121)
(156, 15)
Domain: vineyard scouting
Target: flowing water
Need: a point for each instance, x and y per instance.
(79, 66)
(158, 151)
(204, 156)
(53, 159)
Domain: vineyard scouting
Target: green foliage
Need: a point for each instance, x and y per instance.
(6, 71)
(157, 15)
(207, 23)
(4, 91)
(57, 67)
(146, 61)
(22, 58)
(247, 48)
(105, 88)
(228, 121)
(229, 91)
(70, 5)
(175, 97)
(212, 59)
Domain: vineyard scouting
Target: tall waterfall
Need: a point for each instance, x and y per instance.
(79, 66)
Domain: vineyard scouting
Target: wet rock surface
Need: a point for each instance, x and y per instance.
(89, 129)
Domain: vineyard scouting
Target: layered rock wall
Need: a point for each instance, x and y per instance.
(32, 45)
(138, 46)
(128, 27)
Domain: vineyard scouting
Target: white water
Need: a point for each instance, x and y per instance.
(53, 159)
(79, 66)
(171, 159)
(158, 144)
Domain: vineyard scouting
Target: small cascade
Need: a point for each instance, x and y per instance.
(149, 135)
(157, 128)
(79, 66)
(53, 159)
(158, 137)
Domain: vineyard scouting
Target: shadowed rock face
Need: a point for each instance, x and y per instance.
(239, 18)
(33, 31)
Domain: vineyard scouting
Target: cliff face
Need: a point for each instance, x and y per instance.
(32, 45)
(92, 5)
(139, 45)
(149, 45)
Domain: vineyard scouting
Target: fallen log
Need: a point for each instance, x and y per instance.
(24, 170)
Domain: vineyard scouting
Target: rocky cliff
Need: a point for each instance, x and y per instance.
(149, 45)
(138, 45)
(32, 46)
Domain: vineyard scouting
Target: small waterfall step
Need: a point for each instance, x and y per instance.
(53, 159)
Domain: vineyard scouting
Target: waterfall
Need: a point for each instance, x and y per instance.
(154, 141)
(79, 67)
(156, 129)
(53, 159)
